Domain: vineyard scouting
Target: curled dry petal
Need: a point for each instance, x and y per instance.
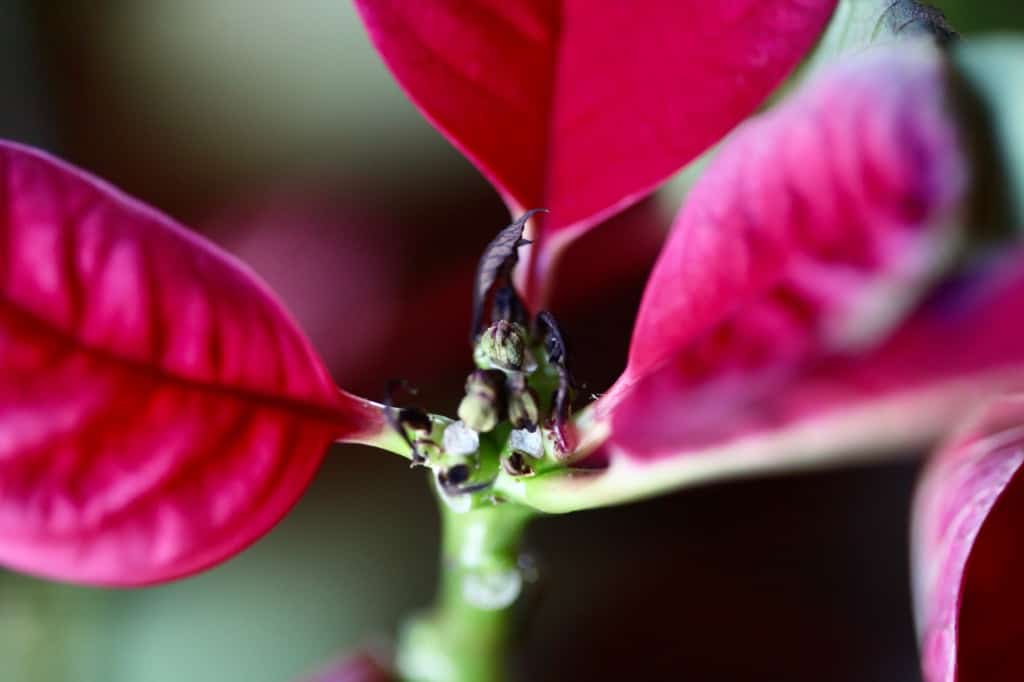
(969, 554)
(774, 330)
(159, 410)
(585, 111)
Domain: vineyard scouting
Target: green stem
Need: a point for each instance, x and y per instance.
(464, 637)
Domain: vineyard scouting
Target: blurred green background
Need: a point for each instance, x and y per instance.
(275, 129)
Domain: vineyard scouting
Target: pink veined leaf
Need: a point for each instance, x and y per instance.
(159, 410)
(583, 111)
(968, 551)
(774, 329)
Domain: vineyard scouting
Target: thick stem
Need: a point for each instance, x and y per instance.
(464, 637)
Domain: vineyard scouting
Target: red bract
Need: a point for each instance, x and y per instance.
(774, 330)
(968, 557)
(815, 228)
(159, 410)
(812, 233)
(585, 111)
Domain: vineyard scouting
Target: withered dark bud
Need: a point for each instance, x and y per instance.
(457, 479)
(503, 345)
(496, 264)
(457, 475)
(424, 447)
(481, 409)
(554, 341)
(516, 465)
(562, 401)
(507, 306)
(558, 355)
(410, 419)
(523, 404)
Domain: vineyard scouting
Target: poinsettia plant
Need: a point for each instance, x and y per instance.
(842, 280)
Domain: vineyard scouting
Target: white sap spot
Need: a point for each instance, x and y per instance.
(459, 439)
(492, 590)
(529, 443)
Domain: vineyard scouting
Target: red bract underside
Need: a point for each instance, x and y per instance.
(159, 410)
(968, 555)
(585, 111)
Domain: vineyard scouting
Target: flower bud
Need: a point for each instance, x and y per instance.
(502, 345)
(523, 409)
(482, 406)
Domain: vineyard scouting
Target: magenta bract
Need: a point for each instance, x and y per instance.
(159, 410)
(953, 352)
(968, 554)
(817, 225)
(813, 233)
(585, 111)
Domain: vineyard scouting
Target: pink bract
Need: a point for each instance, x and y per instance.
(816, 227)
(812, 234)
(159, 410)
(968, 556)
(585, 111)
(809, 306)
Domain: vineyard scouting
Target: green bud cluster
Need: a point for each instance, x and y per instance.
(499, 398)
(499, 390)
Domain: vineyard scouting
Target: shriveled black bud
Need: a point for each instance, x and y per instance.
(496, 264)
(482, 407)
(561, 408)
(415, 420)
(516, 465)
(457, 479)
(555, 344)
(558, 355)
(457, 475)
(507, 306)
(410, 420)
